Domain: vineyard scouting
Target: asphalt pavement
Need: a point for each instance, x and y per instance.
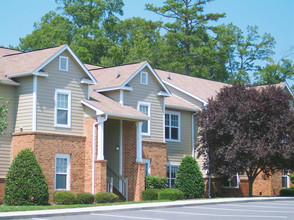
(204, 206)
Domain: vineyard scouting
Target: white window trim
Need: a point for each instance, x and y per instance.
(67, 92)
(148, 161)
(149, 115)
(286, 176)
(179, 129)
(66, 156)
(60, 58)
(170, 164)
(233, 187)
(141, 77)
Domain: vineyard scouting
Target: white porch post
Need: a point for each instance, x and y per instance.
(100, 138)
(139, 142)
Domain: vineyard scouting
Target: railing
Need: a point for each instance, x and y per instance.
(111, 174)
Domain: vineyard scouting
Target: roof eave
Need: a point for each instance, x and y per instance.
(11, 83)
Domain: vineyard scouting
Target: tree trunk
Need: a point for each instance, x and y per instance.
(251, 180)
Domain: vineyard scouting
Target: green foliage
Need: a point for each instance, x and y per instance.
(150, 194)
(25, 181)
(155, 182)
(287, 192)
(189, 178)
(105, 197)
(3, 115)
(64, 198)
(85, 198)
(292, 177)
(170, 194)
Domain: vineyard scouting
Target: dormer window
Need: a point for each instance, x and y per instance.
(144, 78)
(63, 63)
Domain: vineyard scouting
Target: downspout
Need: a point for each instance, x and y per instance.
(93, 151)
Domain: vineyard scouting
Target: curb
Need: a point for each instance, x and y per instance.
(131, 207)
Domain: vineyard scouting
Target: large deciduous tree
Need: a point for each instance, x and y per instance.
(187, 29)
(247, 130)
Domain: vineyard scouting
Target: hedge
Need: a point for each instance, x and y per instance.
(85, 198)
(170, 194)
(105, 197)
(150, 194)
(155, 182)
(287, 192)
(64, 198)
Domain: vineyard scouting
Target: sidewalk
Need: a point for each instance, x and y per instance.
(112, 208)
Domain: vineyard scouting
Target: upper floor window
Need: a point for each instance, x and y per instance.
(62, 108)
(232, 182)
(144, 78)
(172, 126)
(144, 107)
(62, 171)
(63, 63)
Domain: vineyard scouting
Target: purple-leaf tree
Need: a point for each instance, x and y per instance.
(247, 130)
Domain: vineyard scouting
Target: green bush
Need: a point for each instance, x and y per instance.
(85, 198)
(155, 182)
(287, 192)
(189, 178)
(150, 194)
(292, 177)
(64, 198)
(105, 197)
(170, 194)
(25, 181)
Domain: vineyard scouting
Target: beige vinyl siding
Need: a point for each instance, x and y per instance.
(8, 93)
(24, 112)
(148, 93)
(186, 97)
(115, 95)
(68, 80)
(177, 150)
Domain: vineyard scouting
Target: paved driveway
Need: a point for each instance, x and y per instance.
(269, 210)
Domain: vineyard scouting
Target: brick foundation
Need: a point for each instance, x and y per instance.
(156, 152)
(100, 175)
(45, 146)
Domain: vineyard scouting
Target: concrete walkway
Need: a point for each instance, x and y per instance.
(112, 208)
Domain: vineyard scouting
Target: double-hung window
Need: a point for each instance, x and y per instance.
(144, 107)
(171, 171)
(144, 78)
(231, 182)
(62, 171)
(147, 167)
(172, 126)
(285, 178)
(62, 108)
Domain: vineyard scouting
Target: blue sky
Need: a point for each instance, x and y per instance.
(17, 17)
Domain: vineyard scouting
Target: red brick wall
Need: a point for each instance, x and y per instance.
(100, 175)
(2, 185)
(132, 170)
(156, 152)
(45, 147)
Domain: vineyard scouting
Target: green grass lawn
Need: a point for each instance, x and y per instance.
(5, 208)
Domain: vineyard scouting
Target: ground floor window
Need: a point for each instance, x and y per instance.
(62, 171)
(231, 182)
(171, 170)
(147, 167)
(285, 178)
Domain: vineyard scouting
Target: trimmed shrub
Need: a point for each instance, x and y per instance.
(287, 192)
(292, 177)
(155, 182)
(105, 197)
(85, 198)
(64, 198)
(150, 194)
(25, 181)
(189, 179)
(170, 194)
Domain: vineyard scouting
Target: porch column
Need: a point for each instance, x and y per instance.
(100, 138)
(139, 142)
